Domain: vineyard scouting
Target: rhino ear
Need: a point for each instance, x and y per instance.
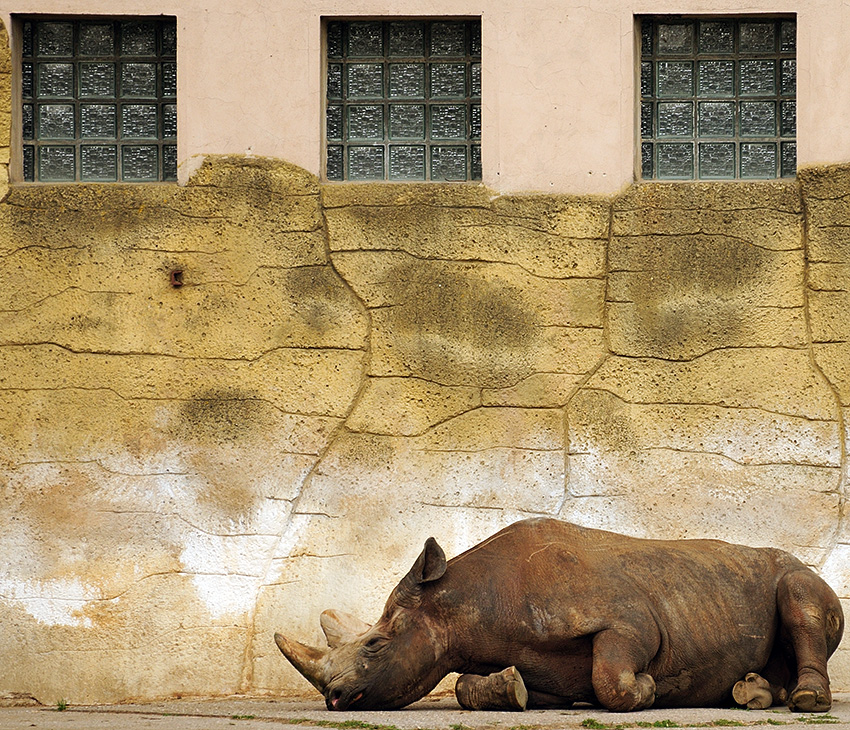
(429, 566)
(341, 627)
(431, 563)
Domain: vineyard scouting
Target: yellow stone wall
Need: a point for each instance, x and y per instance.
(348, 369)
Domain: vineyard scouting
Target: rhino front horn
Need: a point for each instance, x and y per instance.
(307, 660)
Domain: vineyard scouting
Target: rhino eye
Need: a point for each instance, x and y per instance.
(375, 643)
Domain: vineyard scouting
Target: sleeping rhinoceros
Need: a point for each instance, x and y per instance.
(545, 613)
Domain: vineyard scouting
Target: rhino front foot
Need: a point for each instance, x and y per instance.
(756, 693)
(811, 695)
(503, 690)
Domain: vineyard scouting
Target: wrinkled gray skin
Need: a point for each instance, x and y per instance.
(588, 615)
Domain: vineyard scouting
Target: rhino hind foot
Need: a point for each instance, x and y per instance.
(503, 690)
(810, 698)
(754, 692)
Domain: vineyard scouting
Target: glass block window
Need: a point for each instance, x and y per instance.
(99, 100)
(718, 98)
(404, 100)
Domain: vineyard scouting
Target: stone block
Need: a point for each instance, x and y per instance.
(752, 378)
(542, 390)
(664, 493)
(601, 422)
(476, 324)
(548, 236)
(408, 406)
(834, 360)
(387, 477)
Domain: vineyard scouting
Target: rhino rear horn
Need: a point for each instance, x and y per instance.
(307, 660)
(341, 627)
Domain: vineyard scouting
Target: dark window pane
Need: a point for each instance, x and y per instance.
(366, 122)
(675, 38)
(334, 122)
(716, 119)
(716, 78)
(758, 37)
(56, 164)
(56, 121)
(448, 121)
(717, 161)
(98, 121)
(28, 122)
(27, 80)
(97, 39)
(335, 40)
(365, 81)
(138, 38)
(407, 39)
(334, 81)
(448, 163)
(97, 80)
(29, 163)
(55, 39)
(139, 163)
(789, 159)
(407, 121)
(334, 165)
(675, 78)
(169, 121)
(758, 78)
(407, 162)
(758, 119)
(716, 37)
(788, 118)
(98, 163)
(169, 79)
(407, 80)
(365, 39)
(758, 160)
(366, 163)
(448, 80)
(675, 161)
(169, 162)
(138, 80)
(138, 121)
(646, 166)
(56, 79)
(675, 119)
(448, 39)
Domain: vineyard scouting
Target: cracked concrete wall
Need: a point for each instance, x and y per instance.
(349, 369)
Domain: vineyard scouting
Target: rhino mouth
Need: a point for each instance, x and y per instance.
(340, 700)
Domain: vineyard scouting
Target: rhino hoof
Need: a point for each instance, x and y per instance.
(810, 699)
(754, 692)
(503, 690)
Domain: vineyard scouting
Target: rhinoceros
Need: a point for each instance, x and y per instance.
(546, 613)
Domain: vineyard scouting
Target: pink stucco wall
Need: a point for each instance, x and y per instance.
(558, 79)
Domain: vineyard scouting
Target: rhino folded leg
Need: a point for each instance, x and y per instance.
(813, 621)
(756, 693)
(503, 690)
(618, 683)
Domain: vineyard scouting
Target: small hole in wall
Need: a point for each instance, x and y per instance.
(176, 277)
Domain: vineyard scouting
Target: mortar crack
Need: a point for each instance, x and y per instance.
(710, 404)
(842, 482)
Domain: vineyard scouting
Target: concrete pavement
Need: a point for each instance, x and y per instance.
(442, 713)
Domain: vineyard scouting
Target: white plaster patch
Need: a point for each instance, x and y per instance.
(53, 602)
(226, 595)
(836, 570)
